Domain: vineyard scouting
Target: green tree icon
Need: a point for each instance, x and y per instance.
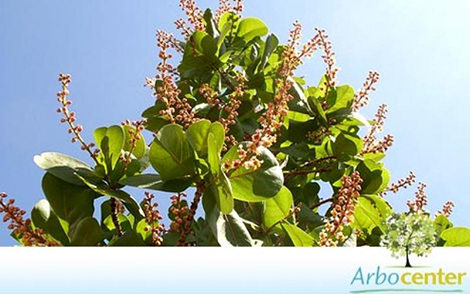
(407, 233)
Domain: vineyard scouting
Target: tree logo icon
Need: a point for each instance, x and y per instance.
(408, 233)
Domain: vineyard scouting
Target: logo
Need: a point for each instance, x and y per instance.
(406, 280)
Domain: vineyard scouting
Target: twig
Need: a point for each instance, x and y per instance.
(192, 212)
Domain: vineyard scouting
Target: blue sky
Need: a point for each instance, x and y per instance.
(419, 47)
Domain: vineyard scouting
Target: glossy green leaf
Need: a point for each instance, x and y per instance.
(87, 233)
(456, 237)
(269, 47)
(344, 99)
(219, 183)
(297, 235)
(256, 185)
(250, 28)
(347, 145)
(198, 132)
(44, 217)
(171, 154)
(230, 230)
(154, 182)
(111, 142)
(371, 212)
(70, 202)
(140, 146)
(129, 202)
(64, 167)
(375, 177)
(129, 238)
(277, 208)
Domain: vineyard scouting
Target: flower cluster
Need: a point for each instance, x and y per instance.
(371, 144)
(328, 57)
(421, 199)
(290, 57)
(401, 183)
(152, 218)
(225, 6)
(193, 13)
(318, 135)
(343, 211)
(135, 136)
(179, 208)
(181, 25)
(70, 118)
(22, 227)
(230, 107)
(361, 98)
(447, 209)
(176, 109)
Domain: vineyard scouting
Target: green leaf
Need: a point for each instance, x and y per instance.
(154, 182)
(88, 233)
(198, 132)
(210, 24)
(344, 99)
(298, 236)
(219, 183)
(250, 28)
(442, 223)
(456, 237)
(108, 223)
(347, 145)
(43, 217)
(140, 146)
(200, 56)
(230, 230)
(255, 185)
(111, 142)
(171, 154)
(129, 202)
(70, 203)
(375, 177)
(278, 207)
(129, 238)
(371, 211)
(269, 47)
(64, 167)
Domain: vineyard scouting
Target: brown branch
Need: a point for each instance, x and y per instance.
(305, 172)
(114, 217)
(192, 212)
(321, 203)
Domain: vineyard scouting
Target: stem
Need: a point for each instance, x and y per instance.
(72, 127)
(192, 212)
(305, 172)
(321, 203)
(114, 217)
(226, 80)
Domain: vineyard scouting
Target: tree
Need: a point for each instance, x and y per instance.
(232, 123)
(408, 233)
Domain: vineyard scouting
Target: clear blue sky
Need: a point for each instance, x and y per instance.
(421, 49)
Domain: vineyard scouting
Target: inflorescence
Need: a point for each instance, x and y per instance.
(447, 209)
(69, 116)
(401, 183)
(22, 227)
(153, 218)
(421, 199)
(342, 213)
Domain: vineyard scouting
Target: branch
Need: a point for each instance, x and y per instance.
(321, 203)
(192, 212)
(305, 172)
(114, 217)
